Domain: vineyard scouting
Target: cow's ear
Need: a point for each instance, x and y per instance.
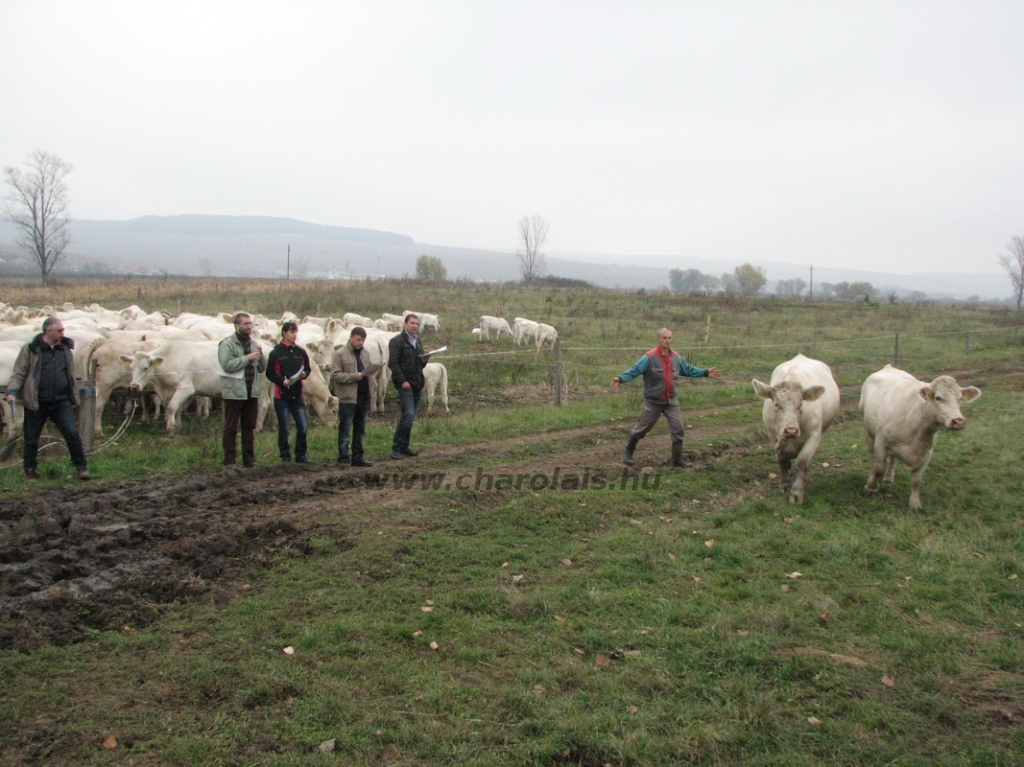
(762, 389)
(970, 393)
(927, 394)
(157, 362)
(125, 359)
(812, 393)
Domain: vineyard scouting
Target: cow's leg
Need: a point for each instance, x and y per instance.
(890, 469)
(916, 474)
(803, 462)
(444, 396)
(179, 399)
(876, 448)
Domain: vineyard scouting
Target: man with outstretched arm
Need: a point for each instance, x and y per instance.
(660, 367)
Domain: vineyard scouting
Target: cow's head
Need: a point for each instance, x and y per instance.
(788, 398)
(943, 397)
(143, 366)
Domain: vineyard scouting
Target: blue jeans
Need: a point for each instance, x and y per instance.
(62, 413)
(352, 421)
(297, 409)
(410, 399)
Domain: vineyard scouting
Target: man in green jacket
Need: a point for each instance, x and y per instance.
(241, 361)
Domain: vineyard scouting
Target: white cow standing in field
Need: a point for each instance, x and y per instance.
(546, 334)
(496, 325)
(524, 330)
(800, 403)
(902, 420)
(178, 371)
(435, 376)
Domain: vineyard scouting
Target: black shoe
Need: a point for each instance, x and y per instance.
(408, 452)
(682, 463)
(362, 463)
(30, 476)
(251, 465)
(396, 454)
(301, 460)
(286, 460)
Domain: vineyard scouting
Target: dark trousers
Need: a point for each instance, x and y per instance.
(294, 408)
(352, 421)
(410, 399)
(62, 413)
(240, 412)
(650, 415)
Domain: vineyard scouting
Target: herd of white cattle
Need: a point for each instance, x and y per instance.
(175, 358)
(522, 331)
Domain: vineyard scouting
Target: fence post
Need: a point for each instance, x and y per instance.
(968, 342)
(558, 372)
(896, 352)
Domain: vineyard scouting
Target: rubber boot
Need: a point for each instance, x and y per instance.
(677, 457)
(627, 457)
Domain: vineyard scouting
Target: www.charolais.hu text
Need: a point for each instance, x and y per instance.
(484, 480)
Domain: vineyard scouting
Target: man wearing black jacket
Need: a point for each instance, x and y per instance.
(287, 366)
(406, 360)
(44, 378)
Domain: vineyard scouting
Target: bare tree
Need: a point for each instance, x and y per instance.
(1013, 263)
(533, 232)
(37, 203)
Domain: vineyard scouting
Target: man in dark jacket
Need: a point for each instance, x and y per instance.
(287, 366)
(660, 367)
(406, 360)
(44, 378)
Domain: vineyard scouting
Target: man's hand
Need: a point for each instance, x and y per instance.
(714, 373)
(406, 385)
(615, 384)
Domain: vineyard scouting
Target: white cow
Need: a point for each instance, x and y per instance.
(546, 334)
(435, 376)
(800, 403)
(178, 371)
(902, 420)
(496, 325)
(103, 360)
(357, 319)
(524, 330)
(394, 321)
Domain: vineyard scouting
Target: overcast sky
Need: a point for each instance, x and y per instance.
(879, 135)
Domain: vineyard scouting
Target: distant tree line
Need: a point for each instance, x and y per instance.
(748, 280)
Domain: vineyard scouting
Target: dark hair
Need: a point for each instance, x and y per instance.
(358, 331)
(289, 325)
(410, 316)
(239, 317)
(49, 322)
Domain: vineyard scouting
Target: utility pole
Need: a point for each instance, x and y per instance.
(289, 268)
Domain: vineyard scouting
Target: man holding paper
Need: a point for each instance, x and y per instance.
(350, 383)
(406, 360)
(287, 366)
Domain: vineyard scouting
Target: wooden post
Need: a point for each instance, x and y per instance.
(896, 352)
(707, 330)
(558, 373)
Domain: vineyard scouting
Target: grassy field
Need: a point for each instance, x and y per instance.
(697, 620)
